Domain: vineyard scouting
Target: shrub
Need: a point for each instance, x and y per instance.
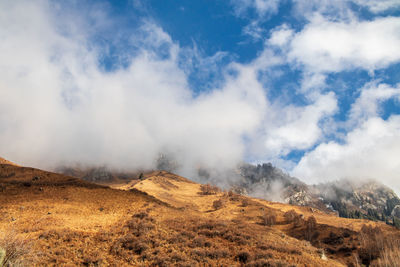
(372, 243)
(131, 242)
(243, 256)
(290, 216)
(141, 215)
(217, 204)
(177, 257)
(207, 189)
(211, 253)
(311, 227)
(200, 242)
(377, 249)
(267, 263)
(390, 256)
(245, 202)
(13, 249)
(298, 221)
(217, 253)
(233, 196)
(269, 219)
(140, 224)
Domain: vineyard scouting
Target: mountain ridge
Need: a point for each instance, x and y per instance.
(367, 199)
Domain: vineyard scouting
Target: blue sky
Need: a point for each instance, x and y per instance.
(312, 86)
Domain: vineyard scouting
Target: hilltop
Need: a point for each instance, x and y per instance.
(4, 161)
(163, 219)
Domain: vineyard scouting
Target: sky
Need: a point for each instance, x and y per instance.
(311, 86)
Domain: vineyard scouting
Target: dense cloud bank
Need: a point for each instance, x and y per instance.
(60, 106)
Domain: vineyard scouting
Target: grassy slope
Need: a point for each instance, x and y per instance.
(70, 222)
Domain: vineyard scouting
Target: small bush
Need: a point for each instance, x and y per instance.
(141, 215)
(13, 249)
(218, 204)
(211, 253)
(217, 253)
(298, 221)
(311, 227)
(290, 216)
(245, 202)
(390, 256)
(269, 219)
(200, 242)
(243, 256)
(233, 196)
(372, 243)
(131, 242)
(207, 189)
(267, 263)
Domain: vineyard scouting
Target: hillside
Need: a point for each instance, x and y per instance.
(163, 219)
(4, 161)
(367, 199)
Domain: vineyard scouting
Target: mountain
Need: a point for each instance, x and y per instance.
(362, 199)
(162, 219)
(267, 181)
(367, 199)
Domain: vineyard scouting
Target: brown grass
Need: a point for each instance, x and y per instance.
(15, 249)
(72, 222)
(377, 248)
(389, 256)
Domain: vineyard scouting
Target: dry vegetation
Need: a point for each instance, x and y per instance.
(207, 189)
(14, 250)
(58, 220)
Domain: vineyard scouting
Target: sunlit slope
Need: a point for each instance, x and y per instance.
(183, 193)
(338, 236)
(69, 222)
(4, 161)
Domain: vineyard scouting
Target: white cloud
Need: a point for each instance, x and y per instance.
(262, 7)
(333, 9)
(281, 35)
(58, 106)
(369, 102)
(326, 46)
(369, 152)
(341, 9)
(298, 127)
(378, 6)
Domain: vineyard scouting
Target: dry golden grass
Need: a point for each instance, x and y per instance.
(4, 161)
(163, 220)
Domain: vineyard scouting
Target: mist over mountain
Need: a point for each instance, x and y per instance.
(116, 84)
(367, 199)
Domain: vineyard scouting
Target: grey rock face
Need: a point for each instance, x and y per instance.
(396, 211)
(362, 199)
